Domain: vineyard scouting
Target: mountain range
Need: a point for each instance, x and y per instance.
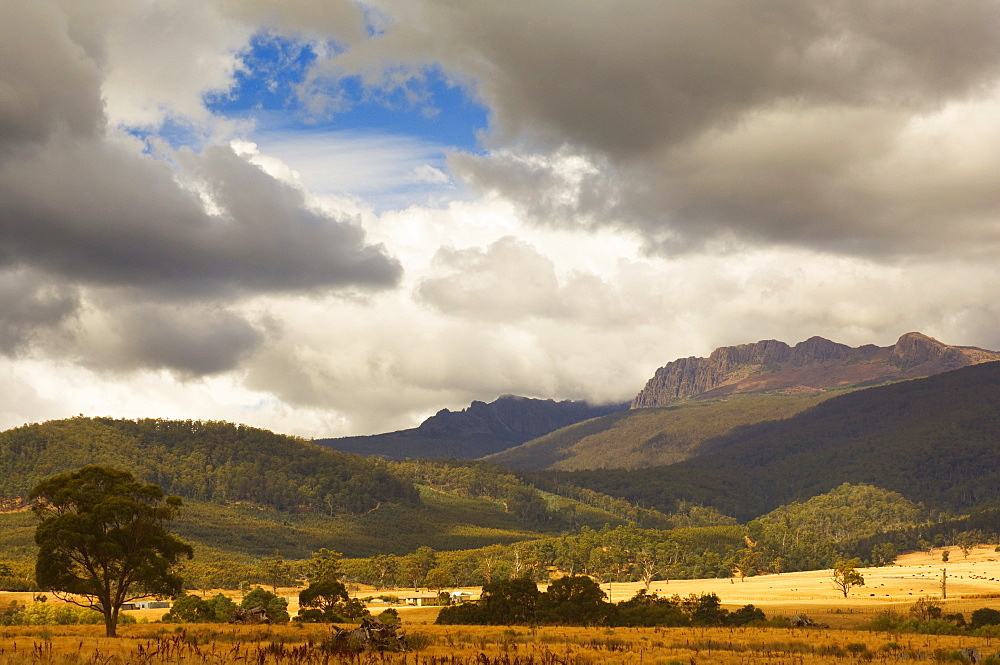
(476, 431)
(935, 440)
(815, 364)
(775, 424)
(707, 397)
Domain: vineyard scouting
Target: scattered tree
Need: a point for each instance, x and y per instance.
(102, 540)
(967, 540)
(846, 576)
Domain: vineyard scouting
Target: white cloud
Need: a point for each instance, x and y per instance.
(386, 171)
(659, 180)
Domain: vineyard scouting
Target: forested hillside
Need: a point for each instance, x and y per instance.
(851, 521)
(933, 440)
(250, 492)
(211, 461)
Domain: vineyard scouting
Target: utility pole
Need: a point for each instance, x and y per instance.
(944, 584)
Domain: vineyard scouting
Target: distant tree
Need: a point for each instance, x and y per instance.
(438, 578)
(424, 559)
(945, 555)
(883, 554)
(381, 570)
(102, 540)
(189, 608)
(409, 571)
(275, 571)
(985, 616)
(327, 600)
(926, 610)
(508, 602)
(650, 561)
(744, 563)
(846, 576)
(645, 609)
(966, 540)
(704, 610)
(575, 600)
(324, 565)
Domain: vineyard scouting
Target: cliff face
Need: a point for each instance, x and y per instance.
(816, 364)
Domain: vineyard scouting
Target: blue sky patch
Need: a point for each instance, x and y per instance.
(266, 90)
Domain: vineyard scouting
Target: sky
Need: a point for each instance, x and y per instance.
(329, 217)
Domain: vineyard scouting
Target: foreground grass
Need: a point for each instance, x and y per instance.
(154, 644)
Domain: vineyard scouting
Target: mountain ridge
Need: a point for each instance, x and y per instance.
(692, 400)
(476, 431)
(933, 439)
(814, 364)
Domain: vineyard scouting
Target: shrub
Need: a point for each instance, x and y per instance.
(389, 616)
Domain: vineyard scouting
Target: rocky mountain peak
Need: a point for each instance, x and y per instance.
(816, 363)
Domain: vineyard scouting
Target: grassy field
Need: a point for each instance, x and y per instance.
(153, 644)
(973, 582)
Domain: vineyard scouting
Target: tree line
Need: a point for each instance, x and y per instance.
(577, 600)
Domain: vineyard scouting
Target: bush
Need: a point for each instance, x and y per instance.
(275, 607)
(649, 610)
(464, 614)
(192, 609)
(746, 615)
(48, 614)
(389, 616)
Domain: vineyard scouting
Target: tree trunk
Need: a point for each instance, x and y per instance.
(111, 622)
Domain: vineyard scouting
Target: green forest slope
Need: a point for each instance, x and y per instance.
(251, 492)
(933, 440)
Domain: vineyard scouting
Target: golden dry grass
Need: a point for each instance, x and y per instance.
(472, 645)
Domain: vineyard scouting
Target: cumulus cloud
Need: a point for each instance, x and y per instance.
(779, 122)
(511, 280)
(658, 179)
(77, 202)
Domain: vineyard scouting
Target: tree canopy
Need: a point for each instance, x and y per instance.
(103, 541)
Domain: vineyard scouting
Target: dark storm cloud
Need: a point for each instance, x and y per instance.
(98, 211)
(47, 84)
(192, 342)
(777, 121)
(29, 304)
